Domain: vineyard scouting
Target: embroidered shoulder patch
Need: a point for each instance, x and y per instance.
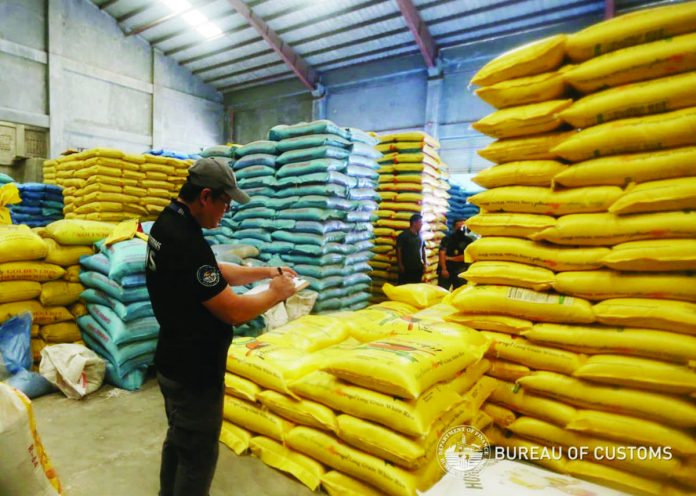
(208, 275)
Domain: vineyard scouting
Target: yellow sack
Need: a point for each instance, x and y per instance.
(638, 63)
(411, 417)
(274, 454)
(329, 451)
(638, 373)
(65, 255)
(519, 350)
(525, 120)
(160, 168)
(524, 173)
(9, 195)
(72, 273)
(619, 479)
(527, 60)
(78, 232)
(644, 98)
(469, 384)
(99, 207)
(418, 295)
(63, 332)
(635, 28)
(299, 411)
(20, 243)
(675, 316)
(255, 419)
(624, 169)
(42, 315)
(509, 224)
(309, 333)
(517, 399)
(437, 312)
(509, 274)
(108, 216)
(407, 365)
(98, 188)
(388, 186)
(523, 303)
(500, 415)
(653, 255)
(671, 410)
(387, 195)
(101, 152)
(638, 134)
(662, 345)
(384, 231)
(611, 229)
(524, 251)
(537, 147)
(652, 196)
(19, 291)
(60, 292)
(520, 91)
(35, 330)
(538, 200)
(78, 310)
(37, 344)
(399, 307)
(135, 191)
(632, 430)
(394, 206)
(371, 323)
(241, 387)
(338, 484)
(267, 365)
(410, 136)
(604, 284)
(497, 323)
(234, 437)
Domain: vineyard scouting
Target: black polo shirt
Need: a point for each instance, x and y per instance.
(182, 273)
(454, 245)
(411, 246)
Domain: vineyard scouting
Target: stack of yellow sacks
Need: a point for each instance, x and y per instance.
(41, 275)
(49, 171)
(413, 180)
(358, 401)
(109, 185)
(582, 271)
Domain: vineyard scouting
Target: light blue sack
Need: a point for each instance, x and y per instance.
(357, 236)
(325, 283)
(254, 171)
(282, 203)
(312, 189)
(359, 171)
(133, 281)
(257, 147)
(359, 194)
(311, 167)
(254, 213)
(323, 202)
(318, 272)
(331, 177)
(96, 280)
(123, 332)
(329, 259)
(15, 343)
(315, 227)
(360, 136)
(282, 131)
(278, 247)
(126, 313)
(355, 279)
(257, 182)
(255, 159)
(363, 150)
(131, 381)
(259, 234)
(359, 257)
(307, 238)
(359, 216)
(310, 214)
(311, 141)
(328, 305)
(126, 257)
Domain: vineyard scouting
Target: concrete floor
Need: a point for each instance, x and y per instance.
(109, 444)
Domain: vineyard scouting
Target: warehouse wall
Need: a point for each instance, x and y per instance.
(392, 95)
(70, 68)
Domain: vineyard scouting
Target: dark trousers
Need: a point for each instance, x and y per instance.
(190, 450)
(453, 281)
(410, 276)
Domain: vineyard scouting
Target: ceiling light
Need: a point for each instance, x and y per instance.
(177, 5)
(194, 18)
(209, 30)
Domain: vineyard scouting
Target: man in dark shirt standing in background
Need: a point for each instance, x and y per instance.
(410, 252)
(196, 309)
(452, 256)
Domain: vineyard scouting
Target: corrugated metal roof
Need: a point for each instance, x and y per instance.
(328, 34)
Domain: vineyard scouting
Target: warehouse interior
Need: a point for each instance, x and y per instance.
(553, 307)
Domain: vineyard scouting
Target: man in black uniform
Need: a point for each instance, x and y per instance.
(410, 252)
(452, 256)
(196, 309)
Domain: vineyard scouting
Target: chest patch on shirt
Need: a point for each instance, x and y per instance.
(208, 275)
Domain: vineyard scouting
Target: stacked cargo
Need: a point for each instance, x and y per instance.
(459, 206)
(41, 276)
(41, 204)
(109, 185)
(604, 361)
(120, 325)
(319, 229)
(413, 180)
(49, 171)
(311, 397)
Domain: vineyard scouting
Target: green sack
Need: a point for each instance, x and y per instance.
(316, 152)
(311, 167)
(282, 131)
(257, 147)
(313, 140)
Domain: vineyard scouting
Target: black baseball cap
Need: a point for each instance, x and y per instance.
(215, 173)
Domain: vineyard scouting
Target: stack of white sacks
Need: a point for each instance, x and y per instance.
(357, 401)
(120, 325)
(412, 180)
(588, 239)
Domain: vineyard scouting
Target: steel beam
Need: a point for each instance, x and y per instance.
(144, 27)
(420, 31)
(292, 59)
